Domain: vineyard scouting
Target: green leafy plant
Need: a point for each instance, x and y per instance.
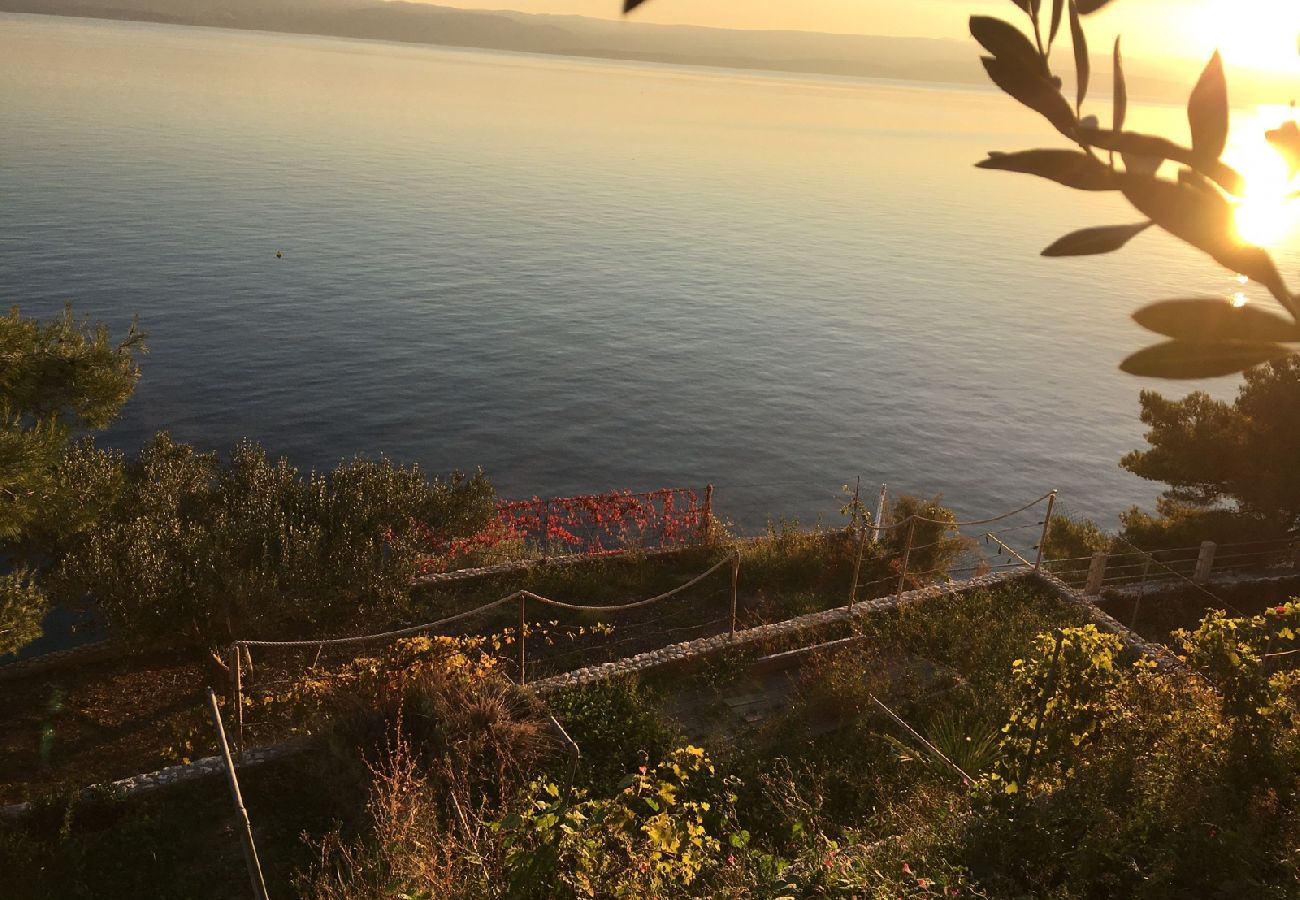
(1212, 453)
(59, 377)
(1239, 656)
(1063, 693)
(657, 836)
(616, 724)
(191, 547)
(22, 605)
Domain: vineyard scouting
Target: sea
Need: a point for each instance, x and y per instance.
(581, 275)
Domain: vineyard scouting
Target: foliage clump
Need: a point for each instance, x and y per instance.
(59, 378)
(186, 546)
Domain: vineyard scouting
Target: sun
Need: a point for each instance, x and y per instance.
(1269, 213)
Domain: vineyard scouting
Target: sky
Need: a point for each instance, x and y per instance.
(1260, 33)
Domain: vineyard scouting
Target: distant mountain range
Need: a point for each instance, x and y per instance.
(907, 58)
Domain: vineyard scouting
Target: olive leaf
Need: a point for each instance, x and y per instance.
(1088, 7)
(1072, 168)
(1132, 143)
(1193, 359)
(1207, 320)
(1094, 241)
(1195, 179)
(1033, 90)
(1206, 221)
(629, 5)
(1082, 67)
(1058, 7)
(1006, 42)
(1207, 111)
(1121, 91)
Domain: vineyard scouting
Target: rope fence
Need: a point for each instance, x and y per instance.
(869, 535)
(1191, 565)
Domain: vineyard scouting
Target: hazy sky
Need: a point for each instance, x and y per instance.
(1258, 32)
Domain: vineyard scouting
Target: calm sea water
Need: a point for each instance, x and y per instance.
(578, 275)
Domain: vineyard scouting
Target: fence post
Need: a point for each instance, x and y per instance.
(1096, 572)
(706, 520)
(246, 832)
(546, 528)
(857, 566)
(1204, 562)
(907, 552)
(1142, 592)
(523, 624)
(1047, 524)
(237, 691)
(880, 514)
(735, 579)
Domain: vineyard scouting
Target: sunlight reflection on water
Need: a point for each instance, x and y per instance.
(579, 275)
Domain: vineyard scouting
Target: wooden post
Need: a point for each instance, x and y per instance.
(706, 520)
(1204, 563)
(880, 513)
(1047, 524)
(1096, 574)
(1137, 604)
(857, 502)
(246, 831)
(735, 580)
(523, 624)
(237, 691)
(907, 553)
(857, 566)
(546, 528)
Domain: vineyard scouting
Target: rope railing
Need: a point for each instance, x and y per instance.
(998, 518)
(1118, 568)
(239, 649)
(522, 597)
(622, 607)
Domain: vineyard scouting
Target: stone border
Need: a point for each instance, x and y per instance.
(1157, 653)
(179, 774)
(686, 651)
(674, 653)
(99, 651)
(1155, 590)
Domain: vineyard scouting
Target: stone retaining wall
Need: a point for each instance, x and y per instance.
(1158, 653)
(191, 771)
(686, 651)
(676, 654)
(60, 659)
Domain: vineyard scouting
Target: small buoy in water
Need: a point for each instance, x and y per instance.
(279, 255)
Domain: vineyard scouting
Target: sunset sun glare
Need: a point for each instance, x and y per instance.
(1268, 213)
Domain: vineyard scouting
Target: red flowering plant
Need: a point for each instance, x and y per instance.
(588, 524)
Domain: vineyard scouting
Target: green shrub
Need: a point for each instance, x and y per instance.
(660, 834)
(1258, 701)
(193, 548)
(22, 607)
(936, 544)
(616, 725)
(1063, 700)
